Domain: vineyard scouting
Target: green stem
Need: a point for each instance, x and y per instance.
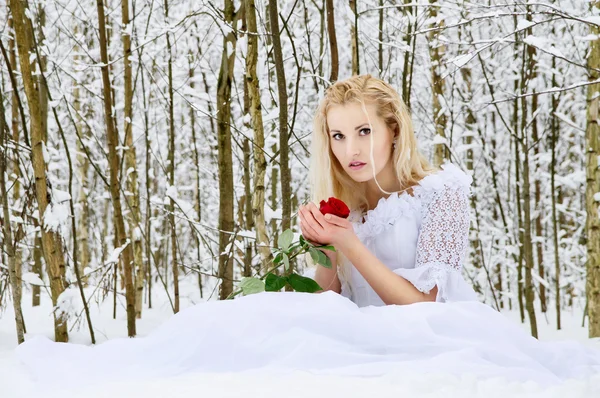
(233, 294)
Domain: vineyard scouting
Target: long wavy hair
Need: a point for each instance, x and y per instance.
(328, 177)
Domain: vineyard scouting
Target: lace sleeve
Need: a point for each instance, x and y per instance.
(444, 234)
(442, 245)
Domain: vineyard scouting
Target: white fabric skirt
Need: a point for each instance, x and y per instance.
(319, 333)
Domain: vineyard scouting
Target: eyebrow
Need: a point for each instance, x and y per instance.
(355, 128)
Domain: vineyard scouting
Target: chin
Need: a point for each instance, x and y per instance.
(363, 177)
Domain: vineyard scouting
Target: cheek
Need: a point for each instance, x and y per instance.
(337, 151)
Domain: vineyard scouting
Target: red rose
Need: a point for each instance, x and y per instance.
(335, 206)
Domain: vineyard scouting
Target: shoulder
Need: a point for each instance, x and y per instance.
(450, 184)
(449, 177)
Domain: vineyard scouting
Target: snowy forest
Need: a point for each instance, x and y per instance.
(152, 152)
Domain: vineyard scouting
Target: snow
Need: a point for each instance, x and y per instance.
(114, 256)
(55, 216)
(594, 19)
(524, 24)
(247, 234)
(438, 139)
(16, 382)
(543, 45)
(45, 153)
(32, 278)
(60, 196)
(172, 192)
(461, 60)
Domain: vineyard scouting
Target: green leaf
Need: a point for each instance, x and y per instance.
(319, 257)
(327, 247)
(304, 242)
(314, 253)
(274, 283)
(278, 258)
(252, 286)
(285, 239)
(303, 284)
(286, 261)
(327, 263)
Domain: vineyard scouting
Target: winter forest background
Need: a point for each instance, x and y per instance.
(153, 135)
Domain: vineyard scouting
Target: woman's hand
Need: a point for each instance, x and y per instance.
(324, 230)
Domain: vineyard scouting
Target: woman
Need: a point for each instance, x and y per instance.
(410, 244)
(404, 244)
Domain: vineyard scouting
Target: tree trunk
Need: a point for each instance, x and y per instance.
(198, 192)
(52, 240)
(9, 245)
(380, 44)
(37, 269)
(115, 187)
(526, 77)
(226, 220)
(84, 165)
(171, 171)
(284, 148)
(408, 39)
(553, 141)
(515, 126)
(354, 39)
(131, 175)
(436, 53)
(539, 232)
(17, 185)
(260, 164)
(335, 63)
(592, 191)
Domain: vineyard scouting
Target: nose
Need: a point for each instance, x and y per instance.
(352, 147)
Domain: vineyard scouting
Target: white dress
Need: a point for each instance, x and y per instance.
(422, 237)
(458, 341)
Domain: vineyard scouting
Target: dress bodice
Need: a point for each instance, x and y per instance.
(422, 237)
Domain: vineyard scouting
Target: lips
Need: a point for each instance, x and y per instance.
(356, 164)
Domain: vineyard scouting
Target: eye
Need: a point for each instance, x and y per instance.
(368, 131)
(336, 134)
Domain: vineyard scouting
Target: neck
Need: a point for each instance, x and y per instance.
(387, 181)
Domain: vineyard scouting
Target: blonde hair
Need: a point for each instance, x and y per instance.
(328, 177)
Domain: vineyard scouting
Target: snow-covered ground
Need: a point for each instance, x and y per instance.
(15, 381)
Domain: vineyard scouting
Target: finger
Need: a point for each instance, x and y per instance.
(310, 219)
(302, 224)
(308, 226)
(314, 210)
(335, 220)
(308, 237)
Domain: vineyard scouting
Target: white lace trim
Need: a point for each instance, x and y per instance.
(396, 205)
(451, 285)
(384, 215)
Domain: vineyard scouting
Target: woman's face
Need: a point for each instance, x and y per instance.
(349, 137)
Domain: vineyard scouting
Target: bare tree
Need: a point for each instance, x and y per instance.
(527, 71)
(171, 170)
(115, 185)
(335, 63)
(284, 148)
(226, 220)
(131, 175)
(436, 53)
(592, 191)
(260, 163)
(354, 39)
(52, 243)
(553, 141)
(9, 245)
